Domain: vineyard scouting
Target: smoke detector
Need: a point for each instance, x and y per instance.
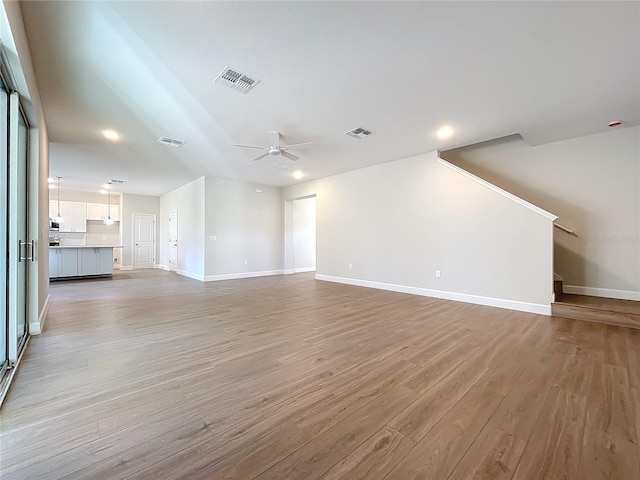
(236, 80)
(359, 132)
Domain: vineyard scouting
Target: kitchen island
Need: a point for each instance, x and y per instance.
(73, 261)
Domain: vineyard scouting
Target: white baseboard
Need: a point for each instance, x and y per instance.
(306, 269)
(126, 267)
(162, 267)
(602, 292)
(538, 308)
(35, 328)
(195, 276)
(289, 271)
(235, 276)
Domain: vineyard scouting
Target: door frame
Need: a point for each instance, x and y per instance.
(289, 250)
(133, 216)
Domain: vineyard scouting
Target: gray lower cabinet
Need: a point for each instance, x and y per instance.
(63, 262)
(95, 261)
(77, 262)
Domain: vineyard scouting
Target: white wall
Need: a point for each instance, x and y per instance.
(247, 225)
(304, 234)
(399, 222)
(593, 184)
(189, 201)
(132, 204)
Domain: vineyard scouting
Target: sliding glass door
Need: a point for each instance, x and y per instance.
(14, 232)
(21, 249)
(4, 223)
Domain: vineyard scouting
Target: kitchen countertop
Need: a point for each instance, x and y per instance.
(86, 246)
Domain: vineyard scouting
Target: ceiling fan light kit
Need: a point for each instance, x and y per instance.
(276, 149)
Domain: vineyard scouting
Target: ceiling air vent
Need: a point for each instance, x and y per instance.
(172, 142)
(279, 166)
(236, 80)
(359, 132)
(113, 181)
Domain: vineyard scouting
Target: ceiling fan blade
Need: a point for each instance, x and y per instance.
(261, 156)
(288, 155)
(250, 146)
(284, 147)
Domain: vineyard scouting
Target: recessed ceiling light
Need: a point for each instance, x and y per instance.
(51, 180)
(107, 186)
(52, 186)
(110, 135)
(298, 174)
(445, 131)
(103, 191)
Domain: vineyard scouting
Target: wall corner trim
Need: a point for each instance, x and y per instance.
(496, 189)
(35, 328)
(537, 308)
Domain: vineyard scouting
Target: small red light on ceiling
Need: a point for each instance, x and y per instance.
(617, 123)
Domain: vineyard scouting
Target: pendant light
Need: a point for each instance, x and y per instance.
(58, 218)
(108, 220)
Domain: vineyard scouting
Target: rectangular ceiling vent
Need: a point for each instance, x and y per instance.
(279, 166)
(359, 132)
(113, 181)
(171, 142)
(236, 80)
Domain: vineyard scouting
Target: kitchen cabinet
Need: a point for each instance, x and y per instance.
(53, 208)
(63, 262)
(100, 211)
(95, 261)
(74, 217)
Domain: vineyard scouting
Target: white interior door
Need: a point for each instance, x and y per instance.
(144, 240)
(173, 240)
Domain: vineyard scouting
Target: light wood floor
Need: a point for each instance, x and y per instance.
(155, 376)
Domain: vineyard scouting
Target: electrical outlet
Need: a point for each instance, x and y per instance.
(245, 262)
(350, 266)
(437, 273)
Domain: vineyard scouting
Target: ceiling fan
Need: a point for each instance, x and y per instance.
(276, 149)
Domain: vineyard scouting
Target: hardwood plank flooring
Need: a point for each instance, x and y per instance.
(150, 375)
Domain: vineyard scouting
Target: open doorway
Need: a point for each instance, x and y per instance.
(304, 234)
(173, 240)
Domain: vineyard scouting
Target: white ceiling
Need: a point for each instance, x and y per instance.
(547, 70)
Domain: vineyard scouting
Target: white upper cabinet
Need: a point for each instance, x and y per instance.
(74, 217)
(100, 211)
